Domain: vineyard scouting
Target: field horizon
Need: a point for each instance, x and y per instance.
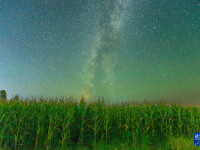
(107, 101)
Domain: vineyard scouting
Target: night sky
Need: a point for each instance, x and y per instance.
(116, 49)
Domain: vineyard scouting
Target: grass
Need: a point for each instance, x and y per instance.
(45, 123)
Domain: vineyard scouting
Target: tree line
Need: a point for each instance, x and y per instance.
(3, 95)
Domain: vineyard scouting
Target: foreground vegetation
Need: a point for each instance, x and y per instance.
(64, 124)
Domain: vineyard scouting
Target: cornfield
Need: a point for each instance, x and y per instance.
(63, 124)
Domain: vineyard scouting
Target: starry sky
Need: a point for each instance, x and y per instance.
(116, 49)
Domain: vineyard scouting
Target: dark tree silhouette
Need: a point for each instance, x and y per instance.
(3, 94)
(16, 98)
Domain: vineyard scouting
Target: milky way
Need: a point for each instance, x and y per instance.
(105, 45)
